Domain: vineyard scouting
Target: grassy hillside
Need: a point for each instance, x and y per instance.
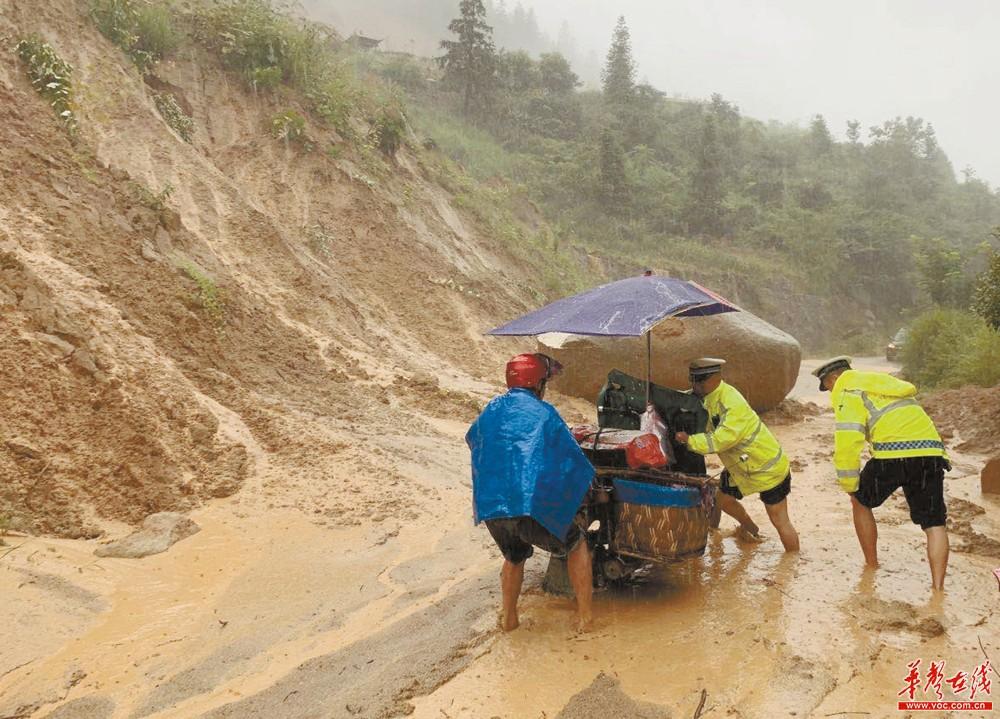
(697, 188)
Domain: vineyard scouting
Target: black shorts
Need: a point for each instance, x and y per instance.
(774, 495)
(922, 480)
(518, 536)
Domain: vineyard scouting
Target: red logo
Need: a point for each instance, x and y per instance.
(977, 686)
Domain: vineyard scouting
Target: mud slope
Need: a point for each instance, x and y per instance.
(277, 286)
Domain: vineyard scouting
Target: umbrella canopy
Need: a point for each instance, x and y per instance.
(626, 308)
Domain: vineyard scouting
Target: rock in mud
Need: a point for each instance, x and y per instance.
(159, 532)
(762, 361)
(990, 478)
(59, 346)
(22, 449)
(604, 698)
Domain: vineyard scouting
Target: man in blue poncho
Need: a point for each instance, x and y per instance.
(529, 478)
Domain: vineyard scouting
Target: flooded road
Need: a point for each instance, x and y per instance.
(266, 613)
(764, 633)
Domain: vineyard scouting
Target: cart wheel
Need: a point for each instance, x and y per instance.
(614, 569)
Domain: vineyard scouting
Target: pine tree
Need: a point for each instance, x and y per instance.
(618, 74)
(470, 63)
(704, 212)
(613, 190)
(819, 136)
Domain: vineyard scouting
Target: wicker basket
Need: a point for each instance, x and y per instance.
(659, 523)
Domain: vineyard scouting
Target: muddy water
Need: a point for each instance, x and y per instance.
(265, 613)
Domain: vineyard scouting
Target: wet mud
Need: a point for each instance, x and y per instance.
(265, 613)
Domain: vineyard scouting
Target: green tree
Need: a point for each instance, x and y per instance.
(613, 189)
(819, 136)
(941, 275)
(557, 76)
(704, 210)
(618, 75)
(986, 300)
(470, 63)
(729, 135)
(518, 72)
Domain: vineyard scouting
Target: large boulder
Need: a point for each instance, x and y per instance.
(761, 360)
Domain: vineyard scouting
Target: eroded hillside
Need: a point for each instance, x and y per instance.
(169, 306)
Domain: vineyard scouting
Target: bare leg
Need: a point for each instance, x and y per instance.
(732, 507)
(581, 576)
(511, 577)
(867, 531)
(937, 555)
(778, 514)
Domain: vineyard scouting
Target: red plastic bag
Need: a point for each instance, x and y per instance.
(645, 451)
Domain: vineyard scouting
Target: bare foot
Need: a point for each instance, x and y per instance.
(585, 625)
(508, 624)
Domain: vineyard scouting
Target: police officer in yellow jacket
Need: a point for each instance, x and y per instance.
(753, 459)
(906, 451)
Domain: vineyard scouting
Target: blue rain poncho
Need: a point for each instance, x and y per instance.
(525, 463)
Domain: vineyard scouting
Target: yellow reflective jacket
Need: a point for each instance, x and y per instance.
(744, 444)
(880, 409)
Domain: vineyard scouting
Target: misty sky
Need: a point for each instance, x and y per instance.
(790, 59)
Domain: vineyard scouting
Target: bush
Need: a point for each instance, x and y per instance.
(145, 31)
(289, 126)
(388, 129)
(51, 76)
(333, 99)
(262, 44)
(209, 296)
(405, 72)
(951, 348)
(156, 201)
(173, 115)
(116, 19)
(157, 34)
(986, 301)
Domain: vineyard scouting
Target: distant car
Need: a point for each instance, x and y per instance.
(895, 345)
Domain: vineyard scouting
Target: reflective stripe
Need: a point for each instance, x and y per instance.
(848, 473)
(711, 444)
(752, 438)
(875, 414)
(773, 462)
(907, 445)
(850, 427)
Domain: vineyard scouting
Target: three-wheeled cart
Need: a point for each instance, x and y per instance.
(641, 517)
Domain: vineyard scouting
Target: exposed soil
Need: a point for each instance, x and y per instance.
(116, 375)
(972, 414)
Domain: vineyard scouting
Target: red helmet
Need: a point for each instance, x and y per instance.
(530, 370)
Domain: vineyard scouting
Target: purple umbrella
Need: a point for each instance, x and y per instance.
(627, 308)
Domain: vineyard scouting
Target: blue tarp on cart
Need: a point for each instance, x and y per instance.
(653, 495)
